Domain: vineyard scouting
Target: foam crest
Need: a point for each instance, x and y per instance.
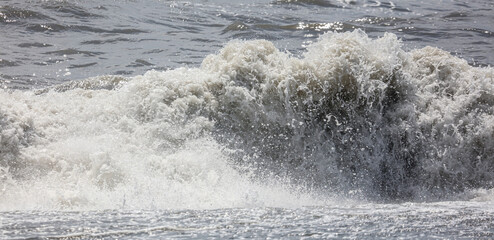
(255, 126)
(142, 144)
(359, 115)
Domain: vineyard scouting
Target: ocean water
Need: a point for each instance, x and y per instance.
(246, 119)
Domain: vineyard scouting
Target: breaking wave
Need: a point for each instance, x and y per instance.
(255, 126)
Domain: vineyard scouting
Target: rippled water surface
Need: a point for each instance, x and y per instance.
(439, 220)
(48, 42)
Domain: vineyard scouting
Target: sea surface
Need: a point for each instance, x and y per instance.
(282, 119)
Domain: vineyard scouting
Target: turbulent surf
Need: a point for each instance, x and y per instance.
(255, 126)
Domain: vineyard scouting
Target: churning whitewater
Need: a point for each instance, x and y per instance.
(255, 126)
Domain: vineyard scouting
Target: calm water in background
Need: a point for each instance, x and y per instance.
(46, 43)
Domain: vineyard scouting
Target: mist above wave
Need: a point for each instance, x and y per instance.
(253, 125)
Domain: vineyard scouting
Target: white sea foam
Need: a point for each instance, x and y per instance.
(254, 126)
(142, 145)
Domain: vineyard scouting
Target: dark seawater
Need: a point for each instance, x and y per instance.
(49, 42)
(246, 119)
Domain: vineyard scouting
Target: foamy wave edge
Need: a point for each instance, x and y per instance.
(254, 126)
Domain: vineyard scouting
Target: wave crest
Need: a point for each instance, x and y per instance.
(351, 116)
